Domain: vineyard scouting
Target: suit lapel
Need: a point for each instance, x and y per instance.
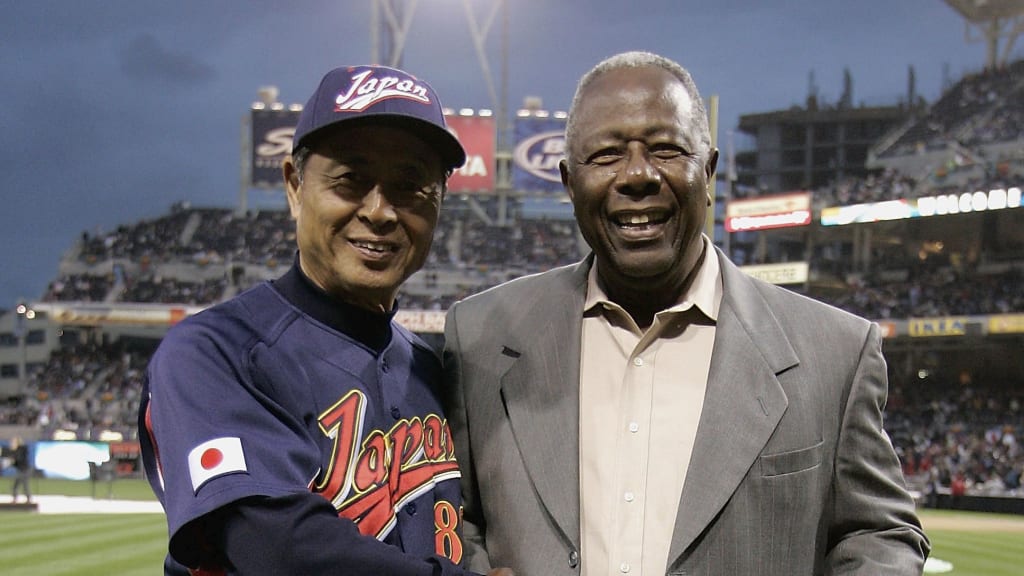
(541, 393)
(742, 406)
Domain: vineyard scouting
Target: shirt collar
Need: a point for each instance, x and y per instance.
(705, 292)
(373, 329)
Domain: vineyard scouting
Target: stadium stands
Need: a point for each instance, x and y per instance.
(980, 109)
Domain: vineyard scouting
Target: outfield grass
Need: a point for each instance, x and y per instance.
(134, 544)
(81, 544)
(980, 553)
(977, 544)
(121, 489)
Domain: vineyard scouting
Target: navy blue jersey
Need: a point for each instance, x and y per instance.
(256, 397)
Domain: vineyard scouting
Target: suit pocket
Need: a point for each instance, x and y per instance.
(791, 462)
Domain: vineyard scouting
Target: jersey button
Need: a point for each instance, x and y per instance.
(395, 412)
(410, 509)
(384, 365)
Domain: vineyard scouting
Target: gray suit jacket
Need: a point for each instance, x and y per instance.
(791, 472)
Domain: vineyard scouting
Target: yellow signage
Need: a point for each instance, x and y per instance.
(945, 326)
(1006, 324)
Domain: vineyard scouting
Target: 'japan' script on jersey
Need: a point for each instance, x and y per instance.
(369, 477)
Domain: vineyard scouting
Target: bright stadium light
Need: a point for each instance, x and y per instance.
(24, 313)
(111, 436)
(268, 94)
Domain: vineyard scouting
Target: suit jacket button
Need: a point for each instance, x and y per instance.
(574, 559)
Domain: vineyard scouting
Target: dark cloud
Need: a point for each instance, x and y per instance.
(145, 58)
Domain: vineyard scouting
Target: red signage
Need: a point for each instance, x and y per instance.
(782, 211)
(477, 134)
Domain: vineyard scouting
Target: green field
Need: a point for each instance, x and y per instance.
(134, 544)
(977, 544)
(123, 489)
(81, 544)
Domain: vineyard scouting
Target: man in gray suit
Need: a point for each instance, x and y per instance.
(653, 410)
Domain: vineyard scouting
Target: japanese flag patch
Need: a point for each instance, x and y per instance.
(215, 458)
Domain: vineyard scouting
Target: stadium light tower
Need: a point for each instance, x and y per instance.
(24, 313)
(503, 152)
(387, 34)
(996, 20)
(390, 21)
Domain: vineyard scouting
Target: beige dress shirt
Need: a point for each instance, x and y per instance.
(641, 394)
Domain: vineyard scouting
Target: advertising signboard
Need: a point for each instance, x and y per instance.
(767, 212)
(539, 146)
(272, 132)
(477, 135)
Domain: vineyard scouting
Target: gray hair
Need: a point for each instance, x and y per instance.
(639, 59)
(299, 158)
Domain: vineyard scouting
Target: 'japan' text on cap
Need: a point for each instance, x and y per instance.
(379, 94)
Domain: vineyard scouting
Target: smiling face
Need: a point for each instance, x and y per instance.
(638, 172)
(365, 207)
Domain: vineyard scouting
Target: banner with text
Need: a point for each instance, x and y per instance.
(272, 132)
(1006, 324)
(905, 208)
(939, 326)
(783, 273)
(477, 135)
(539, 145)
(781, 211)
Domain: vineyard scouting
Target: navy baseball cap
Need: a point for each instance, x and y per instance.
(379, 94)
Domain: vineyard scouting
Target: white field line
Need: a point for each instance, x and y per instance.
(49, 504)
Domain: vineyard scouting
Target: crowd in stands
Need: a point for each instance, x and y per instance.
(138, 242)
(173, 291)
(950, 431)
(887, 185)
(942, 293)
(149, 288)
(84, 389)
(83, 287)
(981, 108)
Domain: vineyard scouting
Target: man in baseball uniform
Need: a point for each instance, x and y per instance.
(295, 428)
